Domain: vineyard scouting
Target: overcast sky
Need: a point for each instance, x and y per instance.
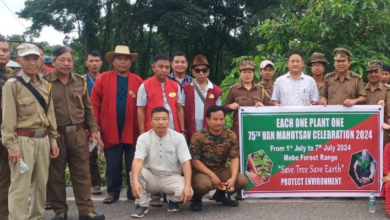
(11, 24)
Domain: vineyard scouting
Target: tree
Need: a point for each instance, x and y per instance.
(322, 25)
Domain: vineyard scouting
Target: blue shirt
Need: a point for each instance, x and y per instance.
(90, 82)
(121, 101)
(187, 79)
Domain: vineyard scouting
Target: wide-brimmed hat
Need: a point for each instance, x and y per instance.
(28, 49)
(341, 53)
(317, 57)
(374, 65)
(121, 50)
(266, 63)
(200, 60)
(246, 64)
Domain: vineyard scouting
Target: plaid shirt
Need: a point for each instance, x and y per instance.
(187, 79)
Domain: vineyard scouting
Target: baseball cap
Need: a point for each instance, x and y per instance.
(25, 49)
(266, 63)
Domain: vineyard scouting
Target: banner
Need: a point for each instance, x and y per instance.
(311, 151)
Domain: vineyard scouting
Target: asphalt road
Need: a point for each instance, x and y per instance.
(283, 208)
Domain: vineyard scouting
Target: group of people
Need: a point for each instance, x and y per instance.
(49, 117)
(168, 129)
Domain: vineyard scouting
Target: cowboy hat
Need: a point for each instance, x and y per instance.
(121, 50)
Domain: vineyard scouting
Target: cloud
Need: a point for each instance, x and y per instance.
(12, 24)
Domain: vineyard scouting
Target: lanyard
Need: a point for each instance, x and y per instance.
(93, 81)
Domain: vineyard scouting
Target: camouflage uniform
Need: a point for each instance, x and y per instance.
(269, 88)
(213, 152)
(4, 166)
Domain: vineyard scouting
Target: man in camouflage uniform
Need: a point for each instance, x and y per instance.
(210, 149)
(5, 74)
(342, 87)
(267, 72)
(378, 93)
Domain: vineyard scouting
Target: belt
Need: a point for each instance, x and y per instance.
(70, 128)
(235, 123)
(35, 133)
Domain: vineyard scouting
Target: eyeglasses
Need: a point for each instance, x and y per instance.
(204, 70)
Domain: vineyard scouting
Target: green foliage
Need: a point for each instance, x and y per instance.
(322, 25)
(218, 29)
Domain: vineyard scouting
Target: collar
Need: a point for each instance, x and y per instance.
(209, 84)
(266, 84)
(172, 76)
(347, 75)
(241, 85)
(25, 77)
(54, 76)
(300, 77)
(380, 86)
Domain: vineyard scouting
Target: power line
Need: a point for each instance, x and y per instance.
(17, 18)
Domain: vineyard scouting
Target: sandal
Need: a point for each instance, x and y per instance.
(156, 202)
(110, 199)
(96, 190)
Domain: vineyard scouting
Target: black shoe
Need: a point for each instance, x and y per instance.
(196, 205)
(139, 211)
(238, 196)
(60, 216)
(224, 198)
(92, 216)
(173, 206)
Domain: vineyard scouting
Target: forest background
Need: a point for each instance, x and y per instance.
(225, 31)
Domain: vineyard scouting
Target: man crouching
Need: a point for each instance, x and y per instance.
(210, 148)
(161, 157)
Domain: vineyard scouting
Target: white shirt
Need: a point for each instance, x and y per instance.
(199, 105)
(142, 99)
(295, 92)
(163, 155)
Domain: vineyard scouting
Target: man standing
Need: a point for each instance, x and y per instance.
(295, 88)
(93, 62)
(385, 73)
(198, 95)
(179, 66)
(378, 92)
(43, 69)
(74, 114)
(158, 91)
(267, 73)
(5, 74)
(114, 99)
(28, 119)
(317, 64)
(342, 87)
(210, 148)
(162, 156)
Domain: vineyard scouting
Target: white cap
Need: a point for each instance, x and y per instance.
(266, 63)
(27, 49)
